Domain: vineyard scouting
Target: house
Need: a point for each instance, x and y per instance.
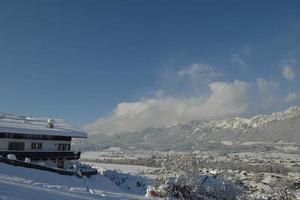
(38, 139)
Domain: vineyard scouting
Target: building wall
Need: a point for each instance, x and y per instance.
(48, 145)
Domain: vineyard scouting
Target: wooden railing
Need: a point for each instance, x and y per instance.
(21, 155)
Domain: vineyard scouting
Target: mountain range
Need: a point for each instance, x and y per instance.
(261, 131)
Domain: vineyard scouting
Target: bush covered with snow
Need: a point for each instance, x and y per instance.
(11, 157)
(181, 178)
(131, 183)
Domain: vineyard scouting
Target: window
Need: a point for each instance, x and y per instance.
(39, 145)
(64, 147)
(60, 164)
(16, 146)
(60, 147)
(36, 145)
(33, 145)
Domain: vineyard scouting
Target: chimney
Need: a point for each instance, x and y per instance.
(51, 123)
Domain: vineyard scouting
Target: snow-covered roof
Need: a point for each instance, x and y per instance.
(10, 123)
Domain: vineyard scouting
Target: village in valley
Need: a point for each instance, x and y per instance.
(260, 175)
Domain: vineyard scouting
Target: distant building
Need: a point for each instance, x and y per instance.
(38, 139)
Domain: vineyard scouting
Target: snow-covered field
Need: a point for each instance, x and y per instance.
(17, 183)
(132, 169)
(116, 153)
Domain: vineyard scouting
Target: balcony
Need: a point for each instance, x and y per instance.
(21, 155)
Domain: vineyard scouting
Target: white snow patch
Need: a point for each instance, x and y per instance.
(20, 183)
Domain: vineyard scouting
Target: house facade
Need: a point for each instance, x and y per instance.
(38, 139)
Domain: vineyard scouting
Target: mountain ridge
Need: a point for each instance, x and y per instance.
(278, 127)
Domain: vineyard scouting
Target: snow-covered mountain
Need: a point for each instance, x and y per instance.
(279, 127)
(239, 123)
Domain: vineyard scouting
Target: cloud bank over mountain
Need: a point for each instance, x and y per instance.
(224, 99)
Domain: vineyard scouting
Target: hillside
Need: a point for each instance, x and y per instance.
(28, 184)
(279, 128)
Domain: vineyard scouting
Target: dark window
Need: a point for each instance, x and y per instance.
(40, 146)
(64, 147)
(60, 147)
(16, 146)
(60, 164)
(33, 145)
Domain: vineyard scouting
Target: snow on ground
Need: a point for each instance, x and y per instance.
(18, 183)
(128, 182)
(114, 153)
(132, 169)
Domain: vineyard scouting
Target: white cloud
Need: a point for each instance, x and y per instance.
(292, 97)
(199, 72)
(267, 92)
(289, 72)
(237, 59)
(239, 56)
(266, 86)
(225, 100)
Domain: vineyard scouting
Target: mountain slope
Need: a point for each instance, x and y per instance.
(20, 183)
(280, 127)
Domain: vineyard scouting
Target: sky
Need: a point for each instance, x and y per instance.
(115, 65)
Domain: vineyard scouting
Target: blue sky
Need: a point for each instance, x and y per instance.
(79, 60)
